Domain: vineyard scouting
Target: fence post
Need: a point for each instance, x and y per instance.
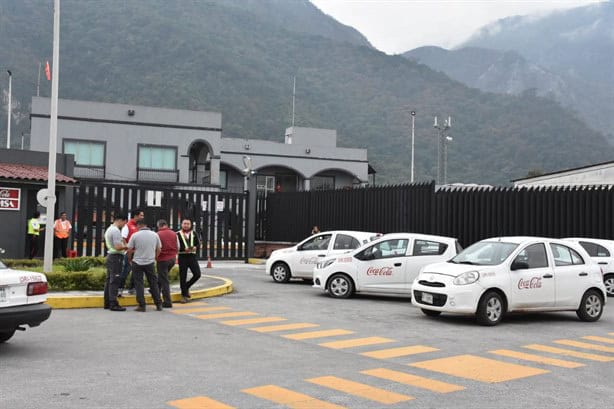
(252, 199)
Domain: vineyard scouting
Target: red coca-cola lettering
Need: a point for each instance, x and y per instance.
(5, 194)
(383, 271)
(535, 282)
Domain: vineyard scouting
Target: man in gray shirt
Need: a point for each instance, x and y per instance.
(143, 249)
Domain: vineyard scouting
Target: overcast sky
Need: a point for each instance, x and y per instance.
(396, 26)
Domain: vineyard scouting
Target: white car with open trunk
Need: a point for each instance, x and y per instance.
(501, 275)
(601, 251)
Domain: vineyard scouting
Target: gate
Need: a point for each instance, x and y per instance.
(220, 218)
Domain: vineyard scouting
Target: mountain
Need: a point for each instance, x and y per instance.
(239, 58)
(565, 55)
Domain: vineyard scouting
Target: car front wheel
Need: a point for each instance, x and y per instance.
(6, 335)
(491, 309)
(591, 306)
(281, 273)
(608, 280)
(340, 286)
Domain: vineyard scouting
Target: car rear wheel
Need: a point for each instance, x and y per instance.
(431, 313)
(491, 309)
(6, 335)
(340, 286)
(591, 306)
(281, 273)
(608, 280)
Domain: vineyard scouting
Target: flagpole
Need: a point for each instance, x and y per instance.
(8, 125)
(53, 137)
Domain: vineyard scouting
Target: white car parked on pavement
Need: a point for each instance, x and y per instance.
(298, 261)
(602, 251)
(22, 300)
(388, 265)
(509, 274)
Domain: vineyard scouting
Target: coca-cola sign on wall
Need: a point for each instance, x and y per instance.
(383, 271)
(10, 198)
(535, 282)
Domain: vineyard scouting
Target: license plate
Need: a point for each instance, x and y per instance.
(3, 297)
(427, 298)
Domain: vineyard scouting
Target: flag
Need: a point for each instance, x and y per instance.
(48, 71)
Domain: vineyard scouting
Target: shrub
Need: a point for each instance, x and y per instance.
(21, 263)
(80, 280)
(99, 261)
(77, 264)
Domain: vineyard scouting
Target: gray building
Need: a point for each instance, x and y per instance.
(145, 144)
(597, 174)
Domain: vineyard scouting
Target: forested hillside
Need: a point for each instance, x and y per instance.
(239, 58)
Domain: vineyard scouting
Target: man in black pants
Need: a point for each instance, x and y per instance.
(116, 247)
(187, 243)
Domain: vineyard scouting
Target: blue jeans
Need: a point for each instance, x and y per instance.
(124, 274)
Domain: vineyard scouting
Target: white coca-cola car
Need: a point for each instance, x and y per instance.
(601, 251)
(387, 265)
(298, 261)
(501, 275)
(22, 300)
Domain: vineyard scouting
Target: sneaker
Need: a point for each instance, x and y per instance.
(140, 309)
(167, 305)
(117, 308)
(184, 300)
(159, 307)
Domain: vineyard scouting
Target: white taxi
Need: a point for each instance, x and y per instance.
(601, 251)
(22, 300)
(298, 261)
(388, 265)
(513, 274)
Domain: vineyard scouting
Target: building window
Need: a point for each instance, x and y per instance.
(223, 179)
(157, 157)
(86, 153)
(322, 183)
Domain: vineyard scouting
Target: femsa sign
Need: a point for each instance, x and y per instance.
(10, 198)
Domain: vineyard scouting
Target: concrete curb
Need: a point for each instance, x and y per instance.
(256, 261)
(97, 301)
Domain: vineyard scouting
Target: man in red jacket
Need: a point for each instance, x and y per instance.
(166, 260)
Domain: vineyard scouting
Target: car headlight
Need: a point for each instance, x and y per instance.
(325, 263)
(469, 277)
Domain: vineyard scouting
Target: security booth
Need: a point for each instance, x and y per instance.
(22, 175)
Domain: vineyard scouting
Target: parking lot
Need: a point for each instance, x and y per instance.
(288, 345)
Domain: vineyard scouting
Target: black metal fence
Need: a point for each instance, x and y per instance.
(219, 218)
(469, 214)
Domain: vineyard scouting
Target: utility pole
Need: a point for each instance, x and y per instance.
(8, 124)
(38, 83)
(413, 134)
(53, 137)
(293, 100)
(442, 154)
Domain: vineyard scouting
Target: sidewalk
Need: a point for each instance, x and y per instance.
(207, 286)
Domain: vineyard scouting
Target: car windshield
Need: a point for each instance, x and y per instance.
(485, 253)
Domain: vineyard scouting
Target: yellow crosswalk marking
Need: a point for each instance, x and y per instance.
(537, 358)
(360, 389)
(599, 339)
(198, 402)
(585, 345)
(414, 380)
(189, 305)
(479, 369)
(357, 342)
(248, 321)
(318, 334)
(200, 309)
(285, 327)
(610, 333)
(397, 352)
(226, 315)
(568, 352)
(289, 398)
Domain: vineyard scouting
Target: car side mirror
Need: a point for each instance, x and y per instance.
(519, 265)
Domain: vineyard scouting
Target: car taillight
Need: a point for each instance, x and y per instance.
(37, 288)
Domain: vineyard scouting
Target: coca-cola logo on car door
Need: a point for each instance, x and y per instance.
(529, 284)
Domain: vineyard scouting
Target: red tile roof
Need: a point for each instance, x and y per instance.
(19, 171)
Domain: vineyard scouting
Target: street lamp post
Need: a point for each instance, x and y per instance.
(442, 154)
(413, 131)
(8, 124)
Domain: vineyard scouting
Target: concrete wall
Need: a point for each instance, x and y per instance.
(122, 133)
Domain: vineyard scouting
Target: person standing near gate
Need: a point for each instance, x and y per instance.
(116, 248)
(166, 261)
(187, 243)
(34, 231)
(61, 230)
(143, 249)
(129, 229)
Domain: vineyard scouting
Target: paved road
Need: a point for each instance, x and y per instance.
(366, 352)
